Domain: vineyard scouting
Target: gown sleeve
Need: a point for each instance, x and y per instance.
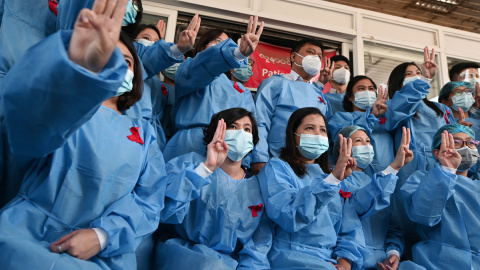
(157, 57)
(290, 207)
(254, 252)
(405, 103)
(425, 194)
(57, 97)
(394, 239)
(198, 72)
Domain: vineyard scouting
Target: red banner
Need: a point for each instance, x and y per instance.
(271, 60)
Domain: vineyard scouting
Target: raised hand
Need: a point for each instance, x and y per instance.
(461, 119)
(217, 149)
(447, 155)
(188, 36)
(250, 40)
(404, 154)
(96, 33)
(391, 263)
(162, 27)
(343, 169)
(380, 106)
(327, 72)
(429, 67)
(81, 244)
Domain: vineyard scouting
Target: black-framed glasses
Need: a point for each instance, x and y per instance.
(470, 143)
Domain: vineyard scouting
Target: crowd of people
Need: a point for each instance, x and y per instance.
(105, 166)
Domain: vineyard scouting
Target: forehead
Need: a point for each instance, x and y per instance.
(364, 82)
(359, 133)
(412, 68)
(148, 31)
(242, 121)
(124, 49)
(470, 70)
(341, 62)
(462, 136)
(309, 46)
(313, 119)
(222, 36)
(460, 88)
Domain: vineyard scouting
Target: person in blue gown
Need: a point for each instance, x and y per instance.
(202, 89)
(225, 227)
(408, 87)
(364, 107)
(315, 223)
(280, 95)
(370, 194)
(97, 185)
(338, 82)
(445, 205)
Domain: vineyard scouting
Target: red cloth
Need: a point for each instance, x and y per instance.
(52, 4)
(164, 90)
(235, 85)
(446, 117)
(135, 137)
(383, 120)
(255, 209)
(321, 100)
(345, 195)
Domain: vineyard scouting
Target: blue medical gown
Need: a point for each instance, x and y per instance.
(86, 173)
(380, 138)
(336, 101)
(202, 90)
(277, 98)
(313, 224)
(216, 223)
(401, 111)
(371, 198)
(446, 208)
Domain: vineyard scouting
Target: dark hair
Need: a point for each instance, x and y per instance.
(143, 26)
(347, 104)
(229, 116)
(207, 38)
(290, 152)
(458, 68)
(395, 83)
(126, 100)
(315, 42)
(130, 29)
(337, 58)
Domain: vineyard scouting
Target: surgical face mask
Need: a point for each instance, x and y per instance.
(365, 99)
(410, 79)
(243, 74)
(341, 75)
(127, 84)
(469, 158)
(130, 14)
(312, 64)
(240, 143)
(464, 101)
(312, 146)
(473, 81)
(171, 71)
(363, 154)
(145, 42)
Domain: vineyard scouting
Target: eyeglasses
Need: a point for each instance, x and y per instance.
(469, 143)
(459, 92)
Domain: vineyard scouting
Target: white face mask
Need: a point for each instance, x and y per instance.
(312, 64)
(365, 99)
(410, 79)
(145, 42)
(464, 101)
(341, 75)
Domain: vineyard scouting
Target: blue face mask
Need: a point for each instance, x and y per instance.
(312, 146)
(363, 154)
(365, 99)
(240, 143)
(464, 101)
(243, 74)
(171, 71)
(410, 79)
(130, 14)
(127, 83)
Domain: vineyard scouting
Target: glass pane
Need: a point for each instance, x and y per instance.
(380, 60)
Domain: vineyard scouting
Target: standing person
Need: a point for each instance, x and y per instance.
(315, 224)
(339, 80)
(444, 202)
(408, 87)
(97, 184)
(468, 72)
(370, 194)
(280, 95)
(363, 106)
(225, 227)
(202, 89)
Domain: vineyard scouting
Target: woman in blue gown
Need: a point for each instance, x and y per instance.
(97, 185)
(315, 223)
(224, 228)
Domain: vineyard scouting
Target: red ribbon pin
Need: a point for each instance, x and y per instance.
(235, 85)
(383, 120)
(446, 117)
(135, 137)
(321, 100)
(345, 194)
(164, 90)
(255, 209)
(52, 4)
